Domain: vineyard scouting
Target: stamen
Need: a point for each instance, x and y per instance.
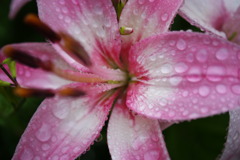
(26, 59)
(70, 92)
(27, 92)
(125, 30)
(66, 92)
(35, 22)
(9, 76)
(76, 51)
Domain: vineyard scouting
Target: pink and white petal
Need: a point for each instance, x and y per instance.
(63, 128)
(182, 76)
(16, 5)
(231, 6)
(232, 146)
(209, 15)
(134, 137)
(92, 23)
(232, 27)
(147, 18)
(37, 78)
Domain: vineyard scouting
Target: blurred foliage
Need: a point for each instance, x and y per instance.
(199, 139)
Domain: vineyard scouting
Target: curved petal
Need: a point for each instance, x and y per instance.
(232, 27)
(37, 78)
(63, 128)
(184, 76)
(134, 137)
(16, 5)
(232, 5)
(147, 18)
(93, 23)
(232, 146)
(209, 15)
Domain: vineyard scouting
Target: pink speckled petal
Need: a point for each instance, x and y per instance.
(37, 78)
(165, 124)
(184, 76)
(63, 128)
(134, 137)
(209, 15)
(147, 18)
(232, 146)
(92, 23)
(16, 5)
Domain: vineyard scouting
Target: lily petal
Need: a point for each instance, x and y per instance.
(63, 128)
(232, 146)
(92, 23)
(206, 14)
(37, 78)
(134, 137)
(16, 5)
(196, 75)
(231, 6)
(147, 18)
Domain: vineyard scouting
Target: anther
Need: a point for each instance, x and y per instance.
(125, 30)
(35, 22)
(70, 92)
(27, 92)
(76, 51)
(25, 58)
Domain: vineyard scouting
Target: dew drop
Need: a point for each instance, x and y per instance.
(45, 147)
(43, 134)
(204, 91)
(204, 110)
(166, 68)
(236, 89)
(202, 55)
(215, 73)
(60, 110)
(181, 67)
(181, 44)
(26, 154)
(164, 17)
(220, 88)
(194, 74)
(222, 54)
(175, 80)
(154, 154)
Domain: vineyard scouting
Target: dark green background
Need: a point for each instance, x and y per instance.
(201, 139)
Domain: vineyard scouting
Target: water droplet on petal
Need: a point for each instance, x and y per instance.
(154, 154)
(222, 54)
(181, 44)
(164, 17)
(202, 55)
(236, 88)
(215, 73)
(43, 134)
(175, 80)
(220, 88)
(194, 74)
(204, 91)
(181, 67)
(45, 147)
(60, 111)
(166, 68)
(26, 154)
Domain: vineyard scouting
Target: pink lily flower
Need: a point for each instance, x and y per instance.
(221, 18)
(149, 74)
